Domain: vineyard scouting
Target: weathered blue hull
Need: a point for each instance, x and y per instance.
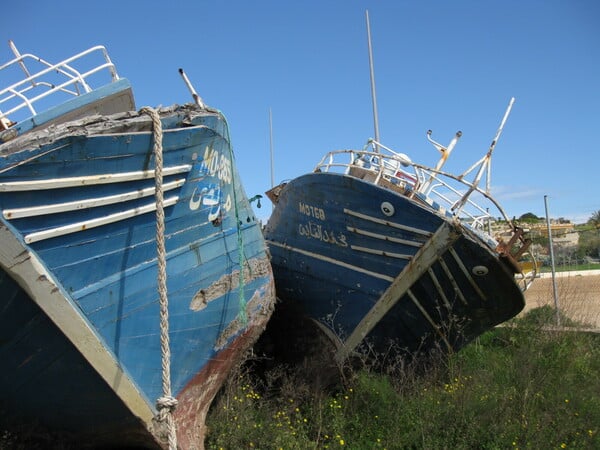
(371, 264)
(79, 304)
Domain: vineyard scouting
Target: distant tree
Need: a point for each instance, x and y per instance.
(529, 217)
(594, 220)
(589, 244)
(540, 239)
(589, 239)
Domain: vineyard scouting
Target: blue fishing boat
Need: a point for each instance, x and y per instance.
(395, 256)
(133, 272)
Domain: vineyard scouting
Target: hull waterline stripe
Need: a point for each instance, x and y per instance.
(388, 223)
(18, 213)
(333, 261)
(88, 180)
(384, 237)
(380, 252)
(427, 255)
(93, 223)
(467, 274)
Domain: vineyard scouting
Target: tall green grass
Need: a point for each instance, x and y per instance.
(515, 387)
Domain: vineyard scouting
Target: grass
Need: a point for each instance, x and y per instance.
(522, 386)
(515, 387)
(569, 267)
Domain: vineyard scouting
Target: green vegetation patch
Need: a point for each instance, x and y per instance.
(515, 387)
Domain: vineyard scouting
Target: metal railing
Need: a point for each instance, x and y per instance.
(448, 193)
(452, 193)
(63, 77)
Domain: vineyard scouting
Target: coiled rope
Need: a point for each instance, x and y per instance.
(167, 403)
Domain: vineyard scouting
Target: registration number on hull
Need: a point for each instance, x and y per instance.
(311, 211)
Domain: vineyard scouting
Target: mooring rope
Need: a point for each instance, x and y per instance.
(167, 403)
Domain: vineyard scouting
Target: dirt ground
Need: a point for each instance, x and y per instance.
(578, 297)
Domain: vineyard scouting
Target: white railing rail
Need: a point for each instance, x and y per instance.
(383, 166)
(20, 95)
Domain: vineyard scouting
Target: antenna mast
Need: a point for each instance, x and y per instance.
(373, 94)
(271, 146)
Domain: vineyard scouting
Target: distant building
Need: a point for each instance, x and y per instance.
(564, 237)
(559, 227)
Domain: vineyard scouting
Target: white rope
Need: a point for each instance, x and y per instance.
(165, 404)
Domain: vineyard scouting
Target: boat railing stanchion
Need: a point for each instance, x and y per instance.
(445, 151)
(17, 54)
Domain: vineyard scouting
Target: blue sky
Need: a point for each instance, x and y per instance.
(439, 64)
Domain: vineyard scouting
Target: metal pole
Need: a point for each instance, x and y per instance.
(21, 63)
(494, 142)
(373, 94)
(195, 96)
(552, 262)
(271, 146)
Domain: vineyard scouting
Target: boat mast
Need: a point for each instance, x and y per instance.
(373, 94)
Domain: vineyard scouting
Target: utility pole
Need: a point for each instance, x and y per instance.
(552, 262)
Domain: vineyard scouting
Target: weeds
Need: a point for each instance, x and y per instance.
(514, 387)
(526, 385)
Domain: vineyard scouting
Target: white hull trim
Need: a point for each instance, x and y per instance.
(98, 221)
(55, 208)
(88, 180)
(333, 261)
